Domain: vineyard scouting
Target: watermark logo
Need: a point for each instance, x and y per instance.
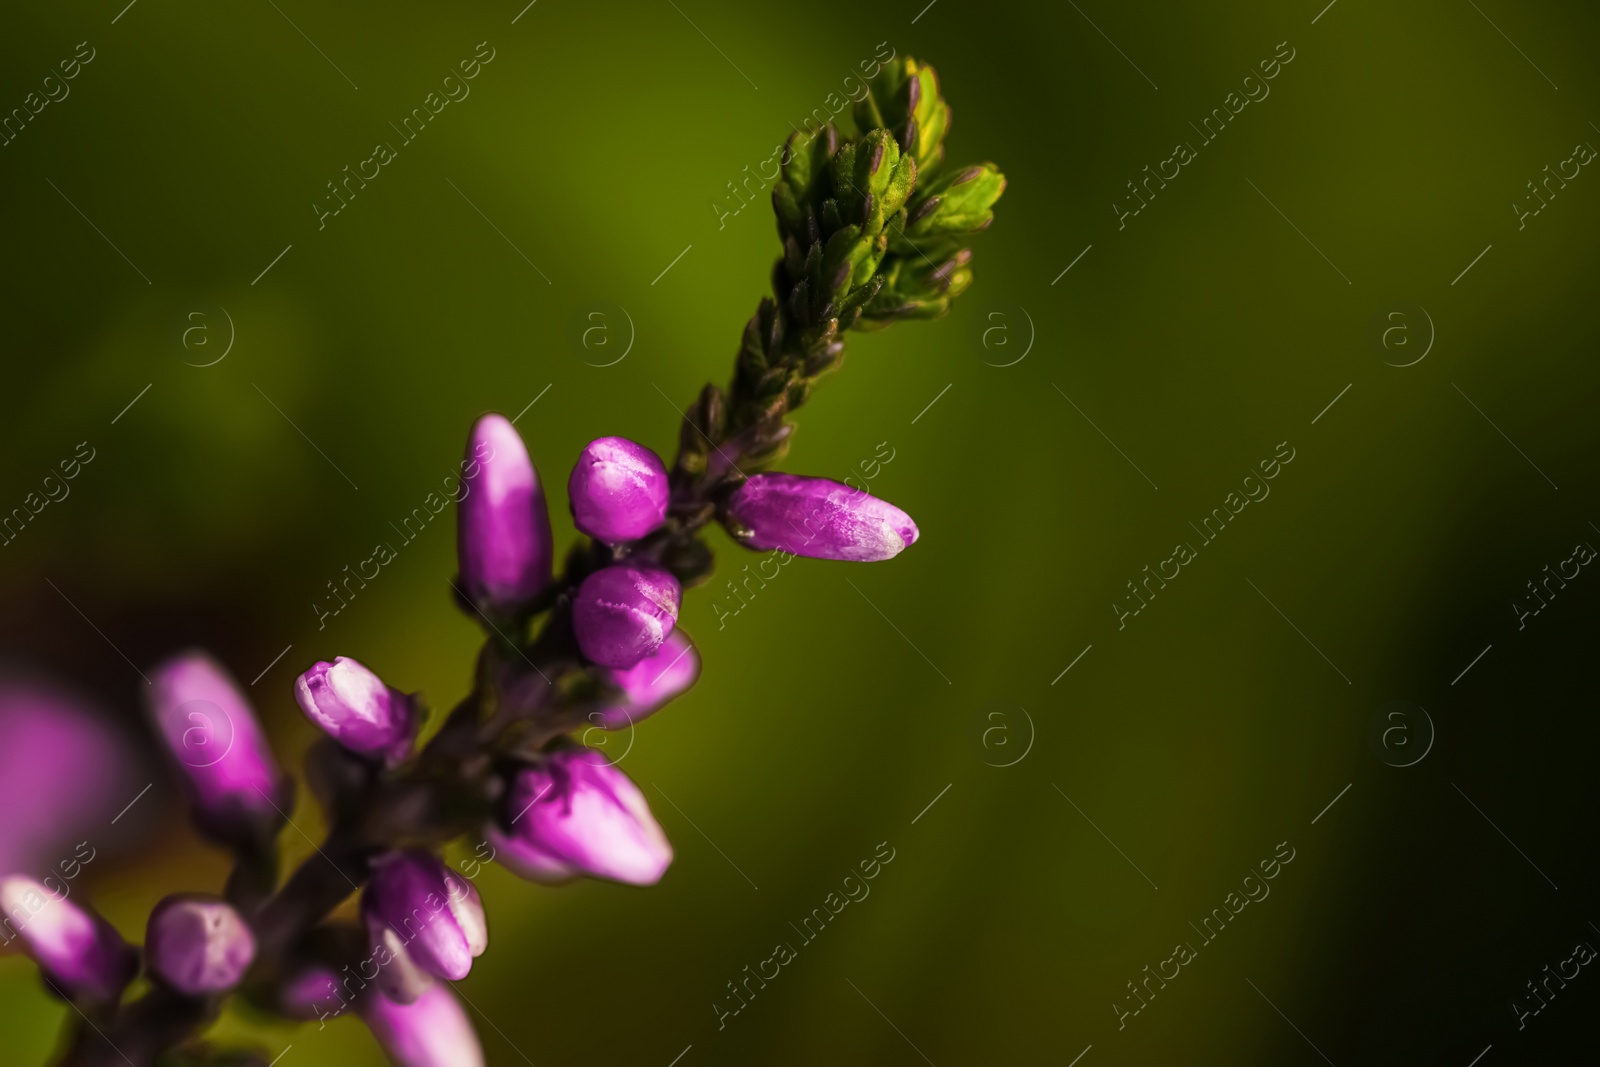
(208, 736)
(1002, 733)
(203, 333)
(1004, 334)
(601, 334)
(1400, 733)
(603, 737)
(1402, 334)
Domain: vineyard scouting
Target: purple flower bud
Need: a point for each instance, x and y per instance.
(503, 537)
(623, 613)
(356, 709)
(398, 977)
(817, 517)
(433, 1031)
(576, 814)
(210, 729)
(436, 913)
(649, 684)
(198, 945)
(618, 490)
(79, 952)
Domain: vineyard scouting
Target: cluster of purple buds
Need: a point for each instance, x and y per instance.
(597, 647)
(551, 809)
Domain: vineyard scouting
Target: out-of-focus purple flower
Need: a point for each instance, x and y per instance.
(210, 729)
(356, 709)
(817, 517)
(313, 993)
(198, 945)
(576, 814)
(78, 951)
(503, 540)
(649, 684)
(61, 770)
(432, 1031)
(622, 613)
(618, 490)
(435, 912)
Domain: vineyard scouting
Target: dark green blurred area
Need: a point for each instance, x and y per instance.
(843, 698)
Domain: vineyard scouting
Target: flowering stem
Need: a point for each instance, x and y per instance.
(794, 338)
(871, 231)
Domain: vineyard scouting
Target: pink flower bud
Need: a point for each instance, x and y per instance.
(649, 684)
(399, 977)
(817, 517)
(435, 912)
(79, 952)
(622, 613)
(432, 1031)
(503, 540)
(576, 814)
(212, 733)
(198, 945)
(356, 709)
(618, 490)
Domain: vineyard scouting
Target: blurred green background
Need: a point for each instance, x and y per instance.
(1175, 754)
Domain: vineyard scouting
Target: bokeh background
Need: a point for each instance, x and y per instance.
(1141, 784)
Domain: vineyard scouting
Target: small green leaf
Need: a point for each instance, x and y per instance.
(952, 205)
